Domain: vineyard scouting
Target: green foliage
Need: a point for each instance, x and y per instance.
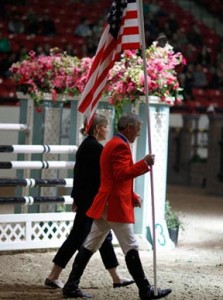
(172, 219)
(119, 110)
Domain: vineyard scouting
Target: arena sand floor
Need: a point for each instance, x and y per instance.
(194, 269)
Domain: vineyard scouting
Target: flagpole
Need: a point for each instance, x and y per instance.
(142, 34)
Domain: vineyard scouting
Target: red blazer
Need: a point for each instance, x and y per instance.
(116, 187)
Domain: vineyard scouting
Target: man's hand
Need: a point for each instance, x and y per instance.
(138, 202)
(149, 159)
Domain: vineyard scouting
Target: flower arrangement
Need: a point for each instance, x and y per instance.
(126, 80)
(60, 73)
(56, 74)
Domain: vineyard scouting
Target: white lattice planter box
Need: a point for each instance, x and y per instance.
(34, 231)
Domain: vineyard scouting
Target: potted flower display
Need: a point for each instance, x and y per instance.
(126, 80)
(60, 73)
(54, 74)
(173, 222)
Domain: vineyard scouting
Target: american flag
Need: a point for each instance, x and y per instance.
(120, 32)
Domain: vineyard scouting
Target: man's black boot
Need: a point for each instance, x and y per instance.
(71, 288)
(134, 266)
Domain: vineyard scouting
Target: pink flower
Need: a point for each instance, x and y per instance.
(184, 61)
(54, 95)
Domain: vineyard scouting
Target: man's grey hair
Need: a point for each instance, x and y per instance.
(128, 119)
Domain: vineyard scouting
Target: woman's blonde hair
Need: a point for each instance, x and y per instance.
(97, 120)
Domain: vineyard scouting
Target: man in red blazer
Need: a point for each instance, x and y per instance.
(113, 208)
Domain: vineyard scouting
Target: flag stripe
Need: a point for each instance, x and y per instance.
(130, 23)
(131, 14)
(130, 46)
(132, 5)
(131, 31)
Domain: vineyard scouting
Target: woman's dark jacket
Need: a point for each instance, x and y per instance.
(86, 176)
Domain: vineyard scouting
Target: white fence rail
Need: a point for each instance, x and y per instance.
(34, 231)
(38, 149)
(36, 165)
(32, 182)
(14, 126)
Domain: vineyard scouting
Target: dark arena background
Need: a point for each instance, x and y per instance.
(194, 268)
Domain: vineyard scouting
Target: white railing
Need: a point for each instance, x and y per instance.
(36, 165)
(37, 149)
(14, 127)
(34, 230)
